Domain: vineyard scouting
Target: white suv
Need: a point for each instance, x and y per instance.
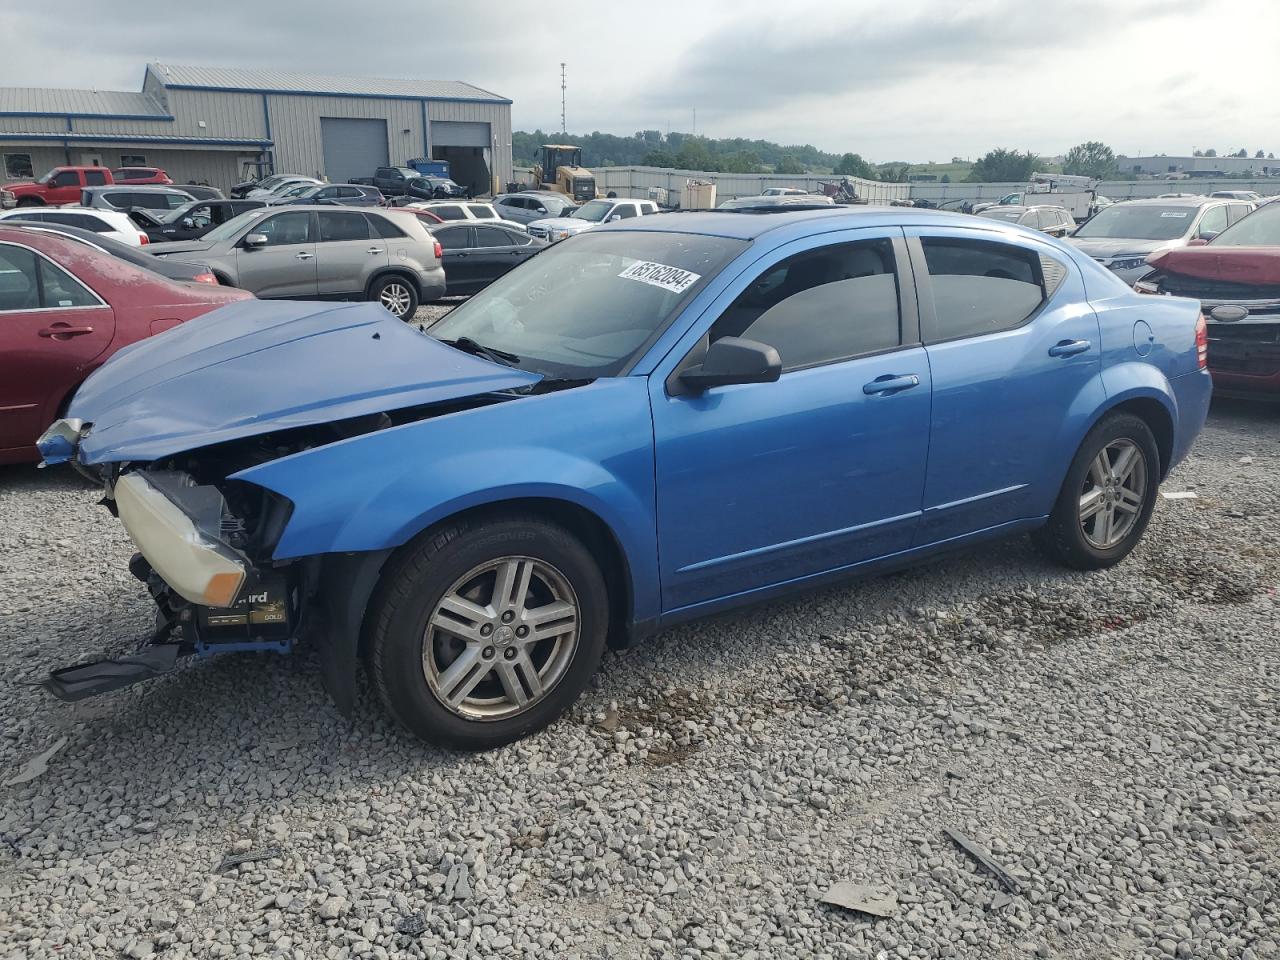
(109, 223)
(590, 214)
(464, 210)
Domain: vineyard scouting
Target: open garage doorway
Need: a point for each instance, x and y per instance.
(466, 147)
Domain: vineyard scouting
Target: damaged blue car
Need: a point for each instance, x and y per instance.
(654, 421)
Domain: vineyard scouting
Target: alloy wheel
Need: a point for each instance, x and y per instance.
(1113, 493)
(396, 298)
(501, 638)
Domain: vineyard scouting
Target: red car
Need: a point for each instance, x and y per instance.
(1236, 278)
(65, 309)
(60, 185)
(140, 175)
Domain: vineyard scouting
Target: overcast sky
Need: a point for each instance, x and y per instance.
(890, 79)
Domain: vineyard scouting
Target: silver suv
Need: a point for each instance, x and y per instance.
(323, 253)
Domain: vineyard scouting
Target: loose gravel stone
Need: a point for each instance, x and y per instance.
(1113, 739)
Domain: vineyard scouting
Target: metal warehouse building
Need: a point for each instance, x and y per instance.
(214, 125)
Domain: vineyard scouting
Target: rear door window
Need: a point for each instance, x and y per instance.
(449, 211)
(824, 305)
(982, 287)
(492, 237)
(482, 212)
(95, 178)
(63, 290)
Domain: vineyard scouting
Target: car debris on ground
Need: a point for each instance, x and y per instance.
(37, 765)
(982, 856)
(876, 900)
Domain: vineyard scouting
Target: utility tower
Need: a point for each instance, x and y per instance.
(563, 128)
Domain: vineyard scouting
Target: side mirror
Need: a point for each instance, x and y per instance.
(542, 209)
(255, 240)
(1204, 237)
(616, 216)
(188, 223)
(733, 360)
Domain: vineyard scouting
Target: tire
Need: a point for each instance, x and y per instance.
(398, 294)
(1096, 522)
(445, 577)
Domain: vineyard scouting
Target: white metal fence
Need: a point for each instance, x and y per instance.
(636, 181)
(1115, 189)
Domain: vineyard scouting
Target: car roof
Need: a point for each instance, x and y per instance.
(138, 188)
(751, 223)
(1196, 201)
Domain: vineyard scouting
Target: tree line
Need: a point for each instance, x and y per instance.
(687, 151)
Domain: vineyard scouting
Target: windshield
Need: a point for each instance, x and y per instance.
(176, 214)
(1131, 221)
(1259, 229)
(586, 307)
(231, 227)
(595, 211)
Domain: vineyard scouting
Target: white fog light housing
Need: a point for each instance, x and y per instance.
(194, 566)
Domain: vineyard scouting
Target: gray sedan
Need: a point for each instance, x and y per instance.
(323, 253)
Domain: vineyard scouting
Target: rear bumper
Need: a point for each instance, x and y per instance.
(1192, 391)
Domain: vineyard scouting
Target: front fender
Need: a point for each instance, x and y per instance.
(590, 446)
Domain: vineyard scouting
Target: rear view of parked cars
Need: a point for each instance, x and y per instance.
(1055, 221)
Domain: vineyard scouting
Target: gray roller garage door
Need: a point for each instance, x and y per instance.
(452, 133)
(352, 148)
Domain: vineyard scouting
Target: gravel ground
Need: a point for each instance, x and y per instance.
(1113, 739)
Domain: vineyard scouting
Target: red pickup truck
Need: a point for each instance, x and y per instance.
(60, 185)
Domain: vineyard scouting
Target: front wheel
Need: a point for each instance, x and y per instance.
(1107, 498)
(396, 294)
(485, 632)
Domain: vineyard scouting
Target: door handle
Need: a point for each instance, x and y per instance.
(59, 330)
(304, 255)
(890, 384)
(375, 250)
(1069, 348)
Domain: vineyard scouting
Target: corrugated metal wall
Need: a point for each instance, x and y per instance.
(636, 181)
(294, 126)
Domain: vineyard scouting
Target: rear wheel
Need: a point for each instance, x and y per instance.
(1107, 498)
(396, 294)
(486, 632)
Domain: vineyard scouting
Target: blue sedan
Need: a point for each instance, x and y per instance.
(651, 422)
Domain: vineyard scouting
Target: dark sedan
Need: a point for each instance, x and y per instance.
(475, 255)
(192, 220)
(339, 194)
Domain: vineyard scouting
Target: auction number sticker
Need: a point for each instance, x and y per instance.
(1175, 214)
(661, 275)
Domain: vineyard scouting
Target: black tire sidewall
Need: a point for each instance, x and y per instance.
(375, 294)
(410, 593)
(1065, 522)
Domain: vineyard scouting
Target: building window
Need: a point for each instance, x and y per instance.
(17, 166)
(132, 160)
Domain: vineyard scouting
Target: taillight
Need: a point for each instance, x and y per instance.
(205, 278)
(1202, 342)
(143, 239)
(439, 251)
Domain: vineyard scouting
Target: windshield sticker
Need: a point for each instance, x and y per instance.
(1176, 214)
(661, 275)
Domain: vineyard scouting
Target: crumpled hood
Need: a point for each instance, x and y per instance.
(1103, 249)
(256, 366)
(1252, 265)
